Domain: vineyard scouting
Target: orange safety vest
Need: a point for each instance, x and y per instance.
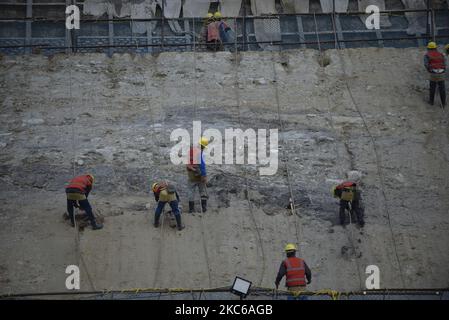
(82, 183)
(347, 184)
(213, 33)
(436, 60)
(296, 272)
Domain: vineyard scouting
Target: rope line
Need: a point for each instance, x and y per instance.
(78, 252)
(378, 161)
(195, 113)
(247, 193)
(350, 234)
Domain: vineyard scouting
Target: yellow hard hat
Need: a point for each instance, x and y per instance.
(154, 186)
(204, 142)
(91, 176)
(217, 14)
(210, 15)
(431, 45)
(446, 47)
(290, 247)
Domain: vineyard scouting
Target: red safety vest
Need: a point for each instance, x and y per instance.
(296, 272)
(213, 33)
(346, 184)
(436, 60)
(82, 183)
(161, 186)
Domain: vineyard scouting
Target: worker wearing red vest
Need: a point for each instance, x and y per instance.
(77, 192)
(435, 63)
(197, 175)
(350, 199)
(297, 273)
(166, 192)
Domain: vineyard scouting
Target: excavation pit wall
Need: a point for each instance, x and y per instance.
(114, 116)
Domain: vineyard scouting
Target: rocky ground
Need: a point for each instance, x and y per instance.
(363, 114)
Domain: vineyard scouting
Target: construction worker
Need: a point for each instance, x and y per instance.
(295, 270)
(435, 63)
(165, 192)
(197, 176)
(214, 41)
(77, 192)
(350, 198)
(223, 28)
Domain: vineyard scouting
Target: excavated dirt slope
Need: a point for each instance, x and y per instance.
(365, 112)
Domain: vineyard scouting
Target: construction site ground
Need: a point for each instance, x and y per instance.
(364, 113)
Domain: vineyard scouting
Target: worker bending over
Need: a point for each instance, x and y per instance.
(165, 192)
(77, 192)
(350, 199)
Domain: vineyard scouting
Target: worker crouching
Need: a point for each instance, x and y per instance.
(77, 192)
(350, 199)
(165, 192)
(297, 273)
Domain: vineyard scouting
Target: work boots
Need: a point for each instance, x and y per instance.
(191, 206)
(96, 226)
(179, 222)
(204, 205)
(156, 221)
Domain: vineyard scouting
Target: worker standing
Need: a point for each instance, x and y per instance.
(165, 192)
(435, 63)
(350, 199)
(77, 192)
(295, 270)
(197, 176)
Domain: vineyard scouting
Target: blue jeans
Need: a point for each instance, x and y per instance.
(84, 204)
(161, 205)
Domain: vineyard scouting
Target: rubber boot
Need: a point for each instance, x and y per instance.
(204, 205)
(191, 206)
(156, 220)
(96, 226)
(179, 222)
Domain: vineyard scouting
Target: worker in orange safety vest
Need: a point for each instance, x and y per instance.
(297, 273)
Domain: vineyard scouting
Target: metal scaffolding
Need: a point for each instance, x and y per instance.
(111, 35)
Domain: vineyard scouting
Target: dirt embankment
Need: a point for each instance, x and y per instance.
(365, 112)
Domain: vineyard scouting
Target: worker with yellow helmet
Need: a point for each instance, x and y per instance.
(435, 63)
(197, 175)
(297, 273)
(166, 192)
(216, 32)
(77, 191)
